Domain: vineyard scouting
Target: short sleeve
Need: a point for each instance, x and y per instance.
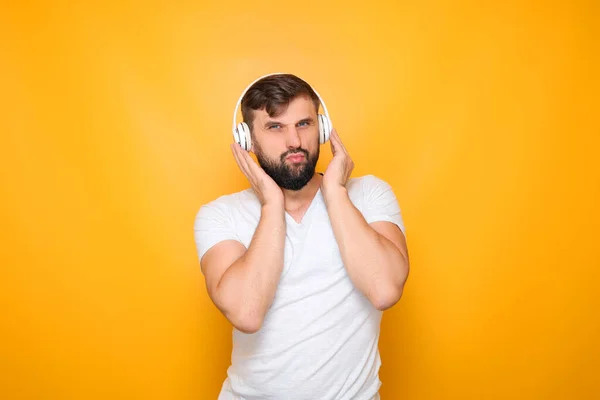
(213, 224)
(380, 203)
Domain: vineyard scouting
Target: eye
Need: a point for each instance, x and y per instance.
(303, 123)
(274, 126)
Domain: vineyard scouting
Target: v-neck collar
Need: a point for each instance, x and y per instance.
(307, 213)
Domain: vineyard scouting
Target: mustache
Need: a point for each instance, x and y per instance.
(294, 151)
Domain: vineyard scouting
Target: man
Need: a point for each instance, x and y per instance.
(302, 264)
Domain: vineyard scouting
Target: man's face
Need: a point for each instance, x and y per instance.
(287, 146)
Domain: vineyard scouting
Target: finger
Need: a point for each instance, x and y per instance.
(336, 144)
(334, 138)
(236, 157)
(239, 159)
(339, 141)
(332, 144)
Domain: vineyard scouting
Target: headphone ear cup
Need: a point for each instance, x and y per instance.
(242, 136)
(324, 128)
(236, 134)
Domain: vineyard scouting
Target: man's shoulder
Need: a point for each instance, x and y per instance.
(225, 203)
(217, 220)
(376, 199)
(229, 198)
(365, 182)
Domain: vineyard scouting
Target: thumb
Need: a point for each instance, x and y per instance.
(333, 141)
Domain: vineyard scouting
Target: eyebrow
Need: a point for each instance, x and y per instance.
(272, 122)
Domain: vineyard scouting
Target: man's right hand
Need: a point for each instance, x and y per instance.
(268, 192)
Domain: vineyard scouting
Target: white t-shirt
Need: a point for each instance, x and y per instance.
(319, 339)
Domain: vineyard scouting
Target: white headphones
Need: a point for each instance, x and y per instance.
(241, 131)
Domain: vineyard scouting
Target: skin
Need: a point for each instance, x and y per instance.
(242, 282)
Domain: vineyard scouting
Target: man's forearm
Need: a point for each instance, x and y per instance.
(375, 265)
(249, 284)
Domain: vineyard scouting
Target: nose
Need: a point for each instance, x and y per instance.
(292, 138)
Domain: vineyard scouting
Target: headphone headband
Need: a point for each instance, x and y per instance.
(264, 76)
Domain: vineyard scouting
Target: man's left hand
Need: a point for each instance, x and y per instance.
(339, 169)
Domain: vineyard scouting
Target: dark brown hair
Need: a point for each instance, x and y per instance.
(274, 93)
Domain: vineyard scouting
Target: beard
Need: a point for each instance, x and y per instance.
(286, 176)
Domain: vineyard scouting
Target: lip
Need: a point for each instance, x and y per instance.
(295, 157)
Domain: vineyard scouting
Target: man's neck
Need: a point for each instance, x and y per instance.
(300, 199)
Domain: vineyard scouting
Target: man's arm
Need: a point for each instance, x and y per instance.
(242, 283)
(375, 255)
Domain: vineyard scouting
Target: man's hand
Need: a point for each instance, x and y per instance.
(267, 191)
(339, 169)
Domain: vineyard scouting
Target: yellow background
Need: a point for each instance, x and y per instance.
(116, 121)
